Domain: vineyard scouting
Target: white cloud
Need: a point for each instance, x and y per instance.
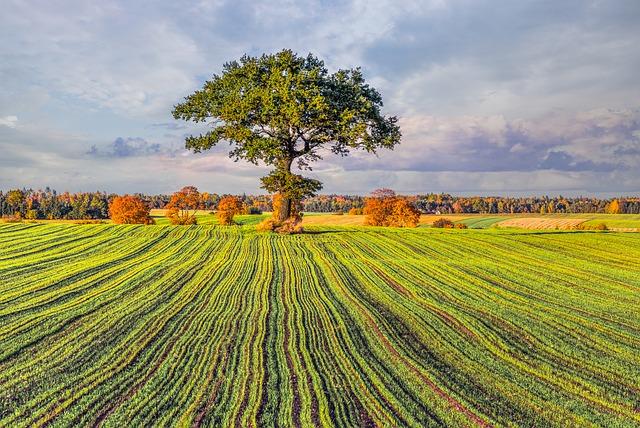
(487, 96)
(9, 121)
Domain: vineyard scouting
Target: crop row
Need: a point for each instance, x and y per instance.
(202, 325)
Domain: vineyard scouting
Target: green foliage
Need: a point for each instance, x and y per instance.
(283, 108)
(293, 186)
(254, 211)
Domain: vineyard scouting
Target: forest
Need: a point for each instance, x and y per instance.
(52, 205)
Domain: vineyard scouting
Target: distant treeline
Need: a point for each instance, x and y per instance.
(443, 203)
(48, 204)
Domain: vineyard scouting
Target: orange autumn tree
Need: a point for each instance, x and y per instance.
(129, 210)
(182, 207)
(385, 208)
(227, 208)
(404, 214)
(614, 207)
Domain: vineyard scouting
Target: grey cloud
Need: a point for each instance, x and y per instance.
(173, 126)
(600, 140)
(563, 161)
(512, 58)
(491, 93)
(126, 147)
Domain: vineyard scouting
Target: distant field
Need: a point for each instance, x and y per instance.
(205, 217)
(317, 219)
(339, 327)
(616, 220)
(567, 221)
(481, 222)
(541, 222)
(622, 222)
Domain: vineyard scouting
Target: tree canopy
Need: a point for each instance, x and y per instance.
(283, 109)
(129, 210)
(182, 207)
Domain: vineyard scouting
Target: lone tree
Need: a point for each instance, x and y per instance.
(284, 109)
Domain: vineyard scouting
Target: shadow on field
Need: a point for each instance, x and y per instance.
(320, 232)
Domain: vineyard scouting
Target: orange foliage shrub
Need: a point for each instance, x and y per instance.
(15, 218)
(276, 202)
(227, 208)
(129, 210)
(443, 223)
(355, 211)
(290, 225)
(598, 226)
(181, 208)
(287, 227)
(266, 225)
(390, 210)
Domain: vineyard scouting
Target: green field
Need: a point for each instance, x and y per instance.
(206, 218)
(203, 325)
(616, 220)
(481, 222)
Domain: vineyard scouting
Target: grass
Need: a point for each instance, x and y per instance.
(541, 223)
(622, 221)
(481, 222)
(204, 325)
(321, 219)
(626, 222)
(205, 217)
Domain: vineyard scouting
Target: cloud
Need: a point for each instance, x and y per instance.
(9, 121)
(107, 55)
(528, 95)
(563, 161)
(173, 126)
(598, 140)
(126, 147)
(521, 58)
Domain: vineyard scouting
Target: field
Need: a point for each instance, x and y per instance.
(205, 217)
(203, 325)
(541, 223)
(625, 222)
(481, 222)
(619, 222)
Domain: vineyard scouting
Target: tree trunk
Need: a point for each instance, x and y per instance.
(285, 208)
(285, 205)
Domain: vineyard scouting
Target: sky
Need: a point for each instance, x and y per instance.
(493, 97)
